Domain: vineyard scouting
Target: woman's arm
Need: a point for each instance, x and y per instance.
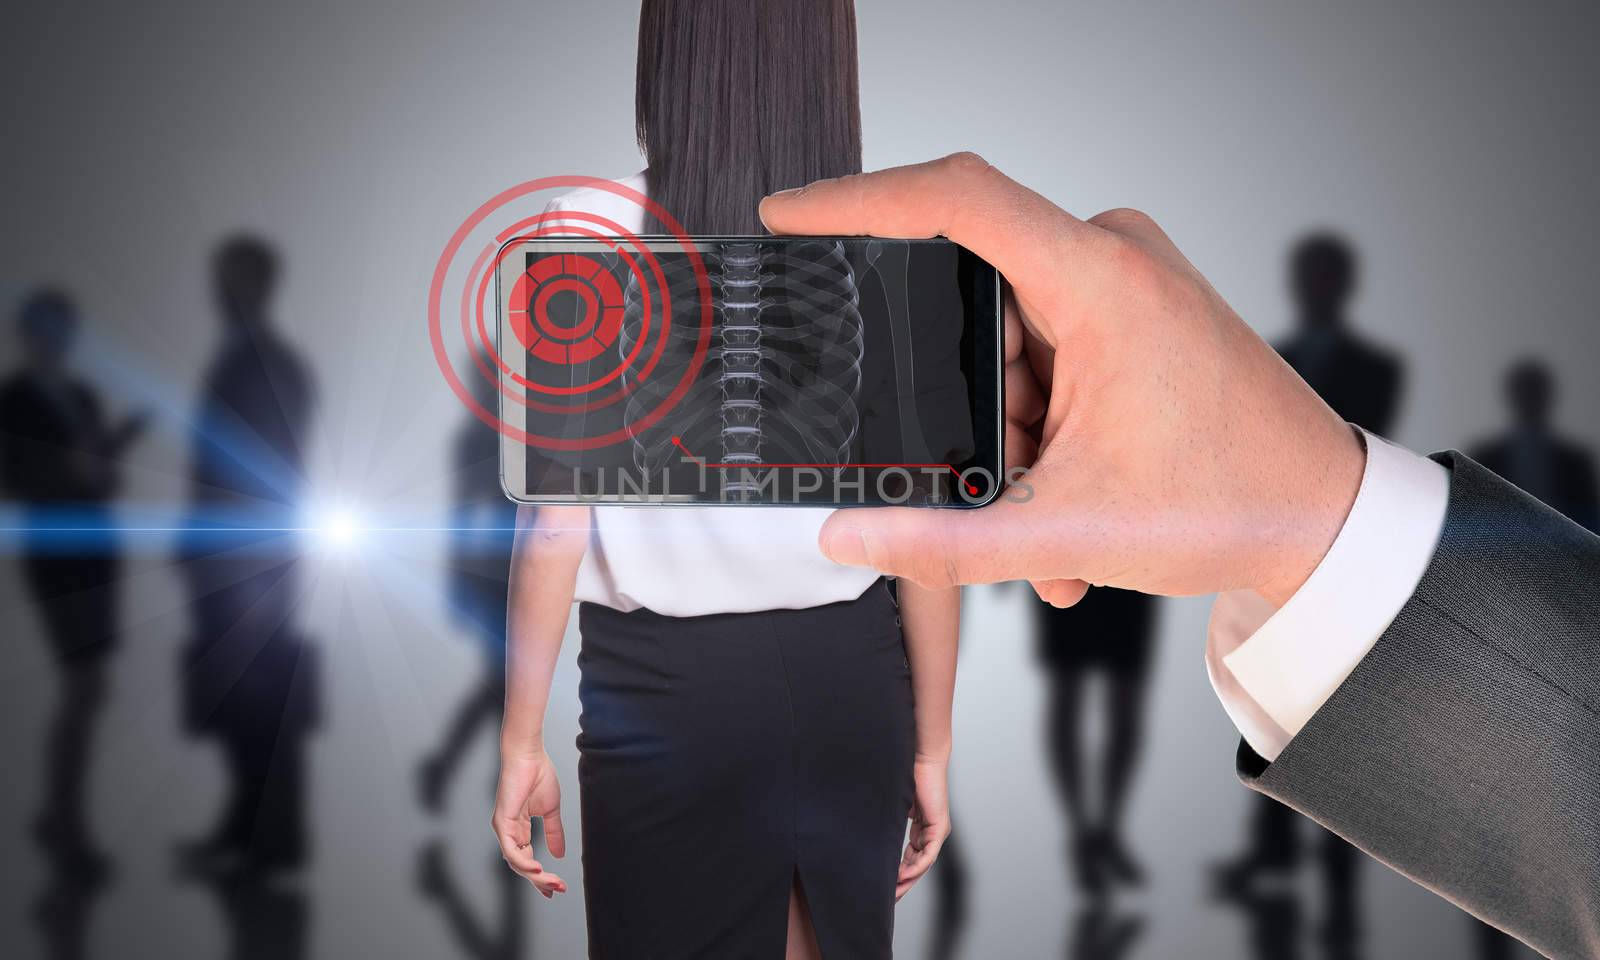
(549, 546)
(932, 623)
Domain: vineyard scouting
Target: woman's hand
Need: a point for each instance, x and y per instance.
(544, 571)
(930, 821)
(528, 788)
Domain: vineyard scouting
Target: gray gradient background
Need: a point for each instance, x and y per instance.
(1454, 142)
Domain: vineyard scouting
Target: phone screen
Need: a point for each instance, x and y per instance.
(749, 371)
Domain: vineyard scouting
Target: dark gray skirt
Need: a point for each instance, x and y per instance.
(724, 756)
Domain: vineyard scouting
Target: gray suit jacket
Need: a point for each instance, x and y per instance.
(1464, 750)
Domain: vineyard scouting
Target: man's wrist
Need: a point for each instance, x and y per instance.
(1330, 486)
(1275, 665)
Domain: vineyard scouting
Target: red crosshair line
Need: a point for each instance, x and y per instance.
(972, 488)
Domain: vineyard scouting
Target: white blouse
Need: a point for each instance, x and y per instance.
(688, 561)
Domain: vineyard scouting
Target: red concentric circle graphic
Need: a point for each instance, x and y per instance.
(545, 229)
(565, 312)
(598, 322)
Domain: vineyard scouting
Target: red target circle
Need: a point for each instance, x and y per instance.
(586, 320)
(469, 307)
(567, 229)
(448, 257)
(597, 325)
(617, 242)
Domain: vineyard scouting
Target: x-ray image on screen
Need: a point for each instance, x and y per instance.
(803, 370)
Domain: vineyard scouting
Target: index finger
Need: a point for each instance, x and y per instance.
(961, 197)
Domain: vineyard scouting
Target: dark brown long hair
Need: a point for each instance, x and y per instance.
(736, 99)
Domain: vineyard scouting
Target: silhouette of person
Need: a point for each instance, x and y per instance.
(483, 521)
(1532, 456)
(952, 899)
(1362, 383)
(1108, 633)
(1492, 944)
(1359, 380)
(951, 878)
(1099, 933)
(249, 677)
(60, 461)
(265, 921)
(1272, 916)
(505, 942)
(61, 914)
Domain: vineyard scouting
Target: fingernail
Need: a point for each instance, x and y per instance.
(847, 545)
(761, 208)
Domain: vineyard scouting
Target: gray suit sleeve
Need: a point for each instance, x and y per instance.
(1464, 750)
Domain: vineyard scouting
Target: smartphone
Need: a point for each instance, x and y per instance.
(749, 371)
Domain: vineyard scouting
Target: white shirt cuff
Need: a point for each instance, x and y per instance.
(1273, 669)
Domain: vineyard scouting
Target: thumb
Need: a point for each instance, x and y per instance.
(935, 548)
(555, 837)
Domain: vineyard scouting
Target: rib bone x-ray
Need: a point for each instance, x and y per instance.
(824, 371)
